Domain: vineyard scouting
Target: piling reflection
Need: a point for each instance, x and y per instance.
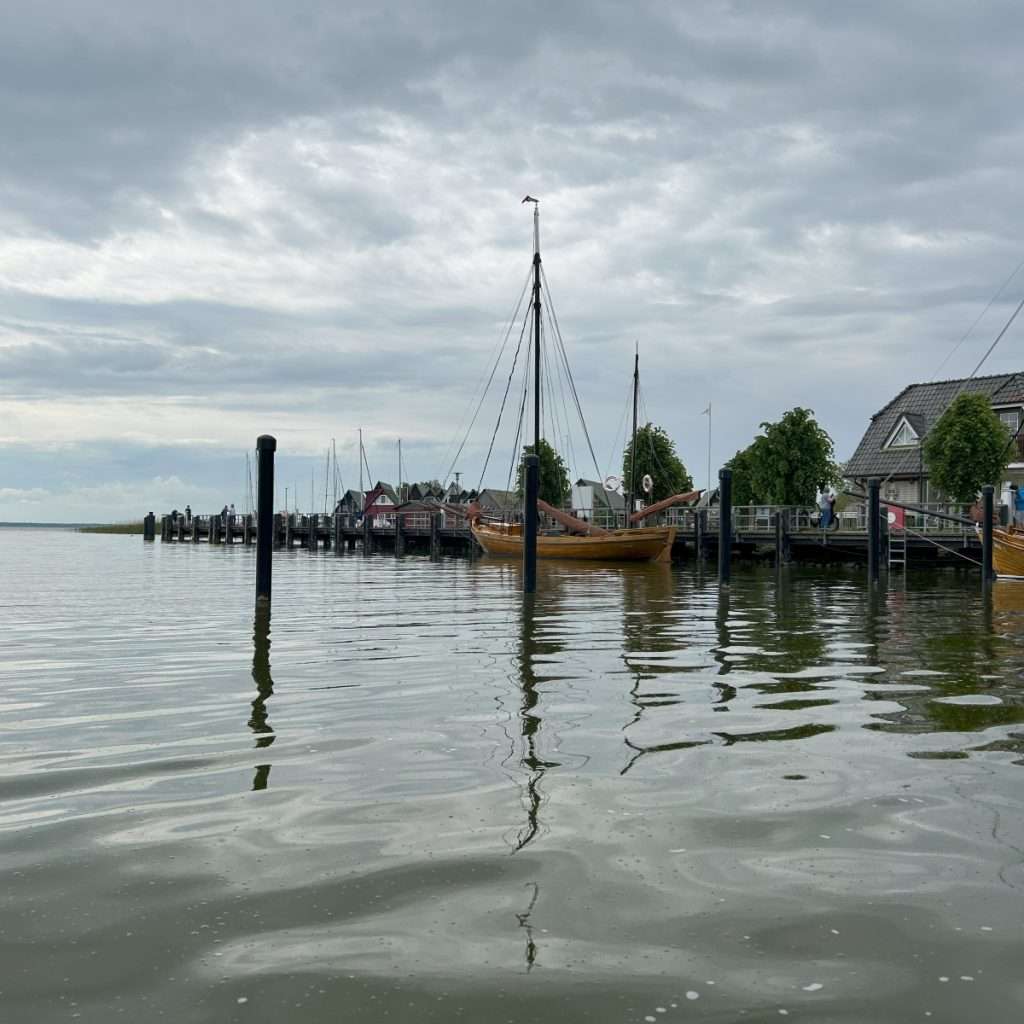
(530, 647)
(258, 722)
(649, 627)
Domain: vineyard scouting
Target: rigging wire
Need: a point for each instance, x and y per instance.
(988, 306)
(565, 359)
(559, 377)
(504, 398)
(493, 362)
(513, 461)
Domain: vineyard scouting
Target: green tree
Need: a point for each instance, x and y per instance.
(656, 457)
(554, 477)
(742, 465)
(790, 461)
(967, 448)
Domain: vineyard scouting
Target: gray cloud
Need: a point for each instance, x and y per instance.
(216, 221)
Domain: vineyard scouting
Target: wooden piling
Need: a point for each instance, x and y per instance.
(149, 527)
(246, 530)
(289, 519)
(435, 536)
(874, 530)
(265, 448)
(367, 535)
(724, 527)
(229, 525)
(195, 529)
(987, 572)
(399, 536)
(311, 538)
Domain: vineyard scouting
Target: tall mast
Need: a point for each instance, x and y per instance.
(631, 488)
(536, 322)
(400, 497)
(360, 462)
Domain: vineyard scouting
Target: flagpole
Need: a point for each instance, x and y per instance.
(709, 447)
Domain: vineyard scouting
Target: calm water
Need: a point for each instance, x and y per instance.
(420, 802)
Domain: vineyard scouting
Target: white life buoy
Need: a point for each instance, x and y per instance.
(612, 483)
(647, 483)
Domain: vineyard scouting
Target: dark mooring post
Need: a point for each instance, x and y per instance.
(987, 573)
(724, 526)
(530, 524)
(874, 530)
(149, 527)
(265, 448)
(435, 536)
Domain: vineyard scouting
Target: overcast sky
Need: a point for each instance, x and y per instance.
(219, 220)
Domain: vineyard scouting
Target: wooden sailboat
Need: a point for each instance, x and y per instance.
(581, 540)
(1008, 553)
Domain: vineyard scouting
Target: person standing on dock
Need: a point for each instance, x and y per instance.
(1018, 506)
(825, 505)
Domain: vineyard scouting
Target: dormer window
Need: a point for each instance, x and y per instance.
(903, 435)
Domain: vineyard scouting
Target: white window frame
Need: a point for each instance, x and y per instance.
(902, 423)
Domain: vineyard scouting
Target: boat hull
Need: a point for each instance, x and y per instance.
(1008, 554)
(646, 544)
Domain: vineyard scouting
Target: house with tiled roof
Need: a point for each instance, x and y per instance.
(891, 448)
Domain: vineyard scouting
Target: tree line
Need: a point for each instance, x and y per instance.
(792, 460)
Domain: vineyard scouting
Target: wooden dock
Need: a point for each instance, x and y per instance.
(776, 533)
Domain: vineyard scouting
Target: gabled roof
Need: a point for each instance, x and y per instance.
(503, 501)
(380, 488)
(922, 405)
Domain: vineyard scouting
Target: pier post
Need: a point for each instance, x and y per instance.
(288, 530)
(531, 489)
(987, 573)
(278, 528)
(246, 531)
(874, 530)
(311, 537)
(781, 536)
(149, 527)
(229, 525)
(435, 536)
(336, 527)
(265, 448)
(195, 529)
(164, 528)
(724, 527)
(214, 537)
(399, 536)
(367, 534)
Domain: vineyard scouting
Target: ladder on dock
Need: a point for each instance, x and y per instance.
(898, 549)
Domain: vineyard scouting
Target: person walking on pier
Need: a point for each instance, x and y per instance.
(1018, 506)
(825, 505)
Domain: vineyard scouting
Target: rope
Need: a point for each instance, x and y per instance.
(568, 369)
(504, 398)
(970, 329)
(943, 547)
(490, 378)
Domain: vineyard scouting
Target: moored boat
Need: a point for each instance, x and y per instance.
(643, 544)
(1008, 553)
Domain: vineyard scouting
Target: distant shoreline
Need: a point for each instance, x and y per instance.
(78, 527)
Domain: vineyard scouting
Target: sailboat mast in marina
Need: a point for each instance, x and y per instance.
(576, 539)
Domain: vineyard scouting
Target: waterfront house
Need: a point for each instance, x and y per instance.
(498, 502)
(380, 504)
(351, 503)
(891, 448)
(590, 501)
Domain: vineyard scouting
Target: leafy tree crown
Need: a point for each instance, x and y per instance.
(656, 457)
(968, 448)
(554, 476)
